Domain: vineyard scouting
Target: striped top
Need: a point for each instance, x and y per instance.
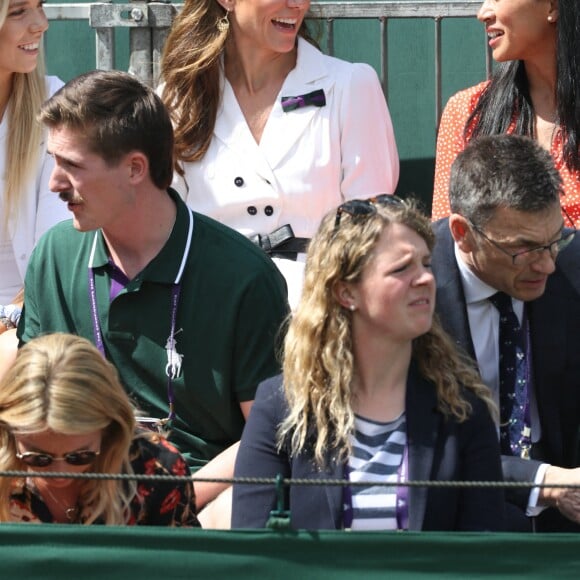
(377, 453)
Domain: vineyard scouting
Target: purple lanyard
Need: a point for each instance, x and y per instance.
(118, 281)
(402, 495)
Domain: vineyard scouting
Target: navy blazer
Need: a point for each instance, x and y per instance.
(439, 449)
(554, 322)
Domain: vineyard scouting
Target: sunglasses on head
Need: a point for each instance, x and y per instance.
(45, 459)
(365, 207)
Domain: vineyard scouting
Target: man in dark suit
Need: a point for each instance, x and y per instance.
(506, 233)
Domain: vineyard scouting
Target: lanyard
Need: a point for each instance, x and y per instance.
(402, 495)
(173, 367)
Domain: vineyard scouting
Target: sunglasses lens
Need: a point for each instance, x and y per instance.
(80, 457)
(357, 207)
(386, 199)
(36, 459)
(44, 460)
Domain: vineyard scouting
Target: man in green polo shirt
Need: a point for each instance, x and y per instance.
(187, 309)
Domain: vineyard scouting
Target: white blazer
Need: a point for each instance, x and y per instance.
(308, 161)
(38, 208)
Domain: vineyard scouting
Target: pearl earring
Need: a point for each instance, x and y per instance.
(550, 19)
(352, 307)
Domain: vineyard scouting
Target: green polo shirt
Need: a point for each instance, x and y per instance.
(232, 303)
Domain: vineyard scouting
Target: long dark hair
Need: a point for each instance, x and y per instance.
(507, 95)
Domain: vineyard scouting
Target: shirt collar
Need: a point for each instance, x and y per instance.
(167, 265)
(476, 290)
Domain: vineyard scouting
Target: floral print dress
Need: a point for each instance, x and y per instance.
(157, 503)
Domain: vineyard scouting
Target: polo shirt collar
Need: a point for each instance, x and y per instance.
(167, 266)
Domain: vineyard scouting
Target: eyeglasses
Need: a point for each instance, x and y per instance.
(526, 257)
(365, 207)
(45, 459)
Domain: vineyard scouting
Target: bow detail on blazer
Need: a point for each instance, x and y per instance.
(315, 98)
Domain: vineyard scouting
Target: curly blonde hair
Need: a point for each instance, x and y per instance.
(25, 133)
(318, 361)
(191, 70)
(60, 382)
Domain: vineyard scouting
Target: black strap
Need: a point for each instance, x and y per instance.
(281, 242)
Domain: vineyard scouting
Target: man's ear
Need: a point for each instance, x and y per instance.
(462, 233)
(345, 295)
(138, 166)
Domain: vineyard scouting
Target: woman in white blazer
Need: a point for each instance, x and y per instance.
(27, 206)
(270, 132)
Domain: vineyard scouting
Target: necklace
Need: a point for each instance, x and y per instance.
(71, 512)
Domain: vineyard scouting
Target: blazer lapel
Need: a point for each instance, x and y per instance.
(333, 492)
(232, 130)
(283, 130)
(422, 427)
(450, 299)
(548, 322)
(327, 498)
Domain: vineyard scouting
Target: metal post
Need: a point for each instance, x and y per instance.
(384, 26)
(161, 17)
(437, 71)
(105, 39)
(140, 60)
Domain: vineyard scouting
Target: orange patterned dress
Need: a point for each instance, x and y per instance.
(451, 141)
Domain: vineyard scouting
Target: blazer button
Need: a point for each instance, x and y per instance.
(268, 210)
(252, 210)
(238, 182)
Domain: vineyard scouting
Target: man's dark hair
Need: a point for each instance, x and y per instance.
(117, 114)
(502, 171)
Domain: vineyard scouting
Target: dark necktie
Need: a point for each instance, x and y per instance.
(512, 375)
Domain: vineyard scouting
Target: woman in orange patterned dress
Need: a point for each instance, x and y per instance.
(535, 91)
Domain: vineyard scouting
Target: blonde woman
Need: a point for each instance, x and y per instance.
(27, 206)
(372, 391)
(63, 409)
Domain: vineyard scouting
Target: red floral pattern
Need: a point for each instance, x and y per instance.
(157, 503)
(451, 141)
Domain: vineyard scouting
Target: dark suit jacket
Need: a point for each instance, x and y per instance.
(554, 321)
(439, 449)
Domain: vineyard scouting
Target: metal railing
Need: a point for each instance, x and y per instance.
(149, 24)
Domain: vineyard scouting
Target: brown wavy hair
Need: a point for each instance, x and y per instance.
(191, 69)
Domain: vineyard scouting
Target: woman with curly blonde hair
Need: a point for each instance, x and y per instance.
(63, 409)
(373, 391)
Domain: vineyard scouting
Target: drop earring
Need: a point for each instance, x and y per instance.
(223, 24)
